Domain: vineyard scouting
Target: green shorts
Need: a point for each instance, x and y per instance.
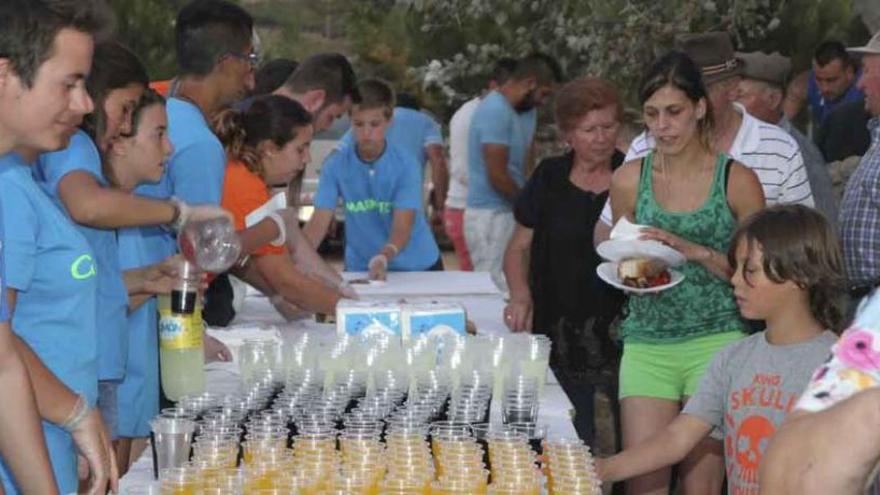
(669, 371)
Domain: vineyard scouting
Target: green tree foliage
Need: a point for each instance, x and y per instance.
(147, 27)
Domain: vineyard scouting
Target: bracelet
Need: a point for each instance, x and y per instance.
(282, 229)
(77, 415)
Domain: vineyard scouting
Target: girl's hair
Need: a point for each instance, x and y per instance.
(798, 245)
(273, 117)
(149, 98)
(677, 70)
(113, 67)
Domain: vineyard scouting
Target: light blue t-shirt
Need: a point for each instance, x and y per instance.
(370, 193)
(411, 131)
(137, 397)
(4, 307)
(53, 269)
(82, 155)
(495, 121)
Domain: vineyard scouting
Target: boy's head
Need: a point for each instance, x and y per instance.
(371, 116)
(787, 255)
(533, 81)
(325, 85)
(46, 49)
(214, 38)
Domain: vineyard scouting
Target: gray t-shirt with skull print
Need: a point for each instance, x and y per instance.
(747, 390)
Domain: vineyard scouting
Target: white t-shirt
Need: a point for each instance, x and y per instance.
(767, 149)
(459, 127)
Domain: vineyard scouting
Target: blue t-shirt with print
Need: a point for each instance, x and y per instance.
(52, 267)
(411, 131)
(82, 155)
(495, 121)
(370, 192)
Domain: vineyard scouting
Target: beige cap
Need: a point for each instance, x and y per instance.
(872, 48)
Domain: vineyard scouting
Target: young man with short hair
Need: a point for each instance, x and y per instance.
(459, 128)
(46, 48)
(380, 188)
(830, 83)
(325, 85)
(499, 146)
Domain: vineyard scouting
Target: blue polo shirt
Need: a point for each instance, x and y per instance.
(53, 269)
(411, 131)
(82, 155)
(370, 192)
(495, 121)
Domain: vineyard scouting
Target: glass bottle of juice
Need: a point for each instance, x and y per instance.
(181, 353)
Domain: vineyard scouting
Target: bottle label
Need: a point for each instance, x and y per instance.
(179, 332)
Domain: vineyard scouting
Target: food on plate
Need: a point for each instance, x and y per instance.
(643, 273)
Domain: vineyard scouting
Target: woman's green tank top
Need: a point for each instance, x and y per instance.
(702, 304)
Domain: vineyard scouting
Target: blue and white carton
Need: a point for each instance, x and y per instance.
(368, 318)
(433, 320)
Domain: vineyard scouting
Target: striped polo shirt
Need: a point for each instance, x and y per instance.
(767, 149)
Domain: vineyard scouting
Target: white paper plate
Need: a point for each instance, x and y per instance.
(608, 272)
(618, 250)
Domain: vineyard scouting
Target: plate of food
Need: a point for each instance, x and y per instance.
(639, 275)
(625, 244)
(619, 250)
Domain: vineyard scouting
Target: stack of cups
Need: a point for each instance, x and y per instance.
(520, 400)
(316, 460)
(362, 454)
(458, 459)
(470, 401)
(172, 438)
(570, 469)
(408, 457)
(514, 463)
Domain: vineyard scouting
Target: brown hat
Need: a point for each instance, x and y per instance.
(772, 68)
(713, 54)
(872, 48)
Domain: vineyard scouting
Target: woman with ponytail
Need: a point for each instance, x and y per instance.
(268, 144)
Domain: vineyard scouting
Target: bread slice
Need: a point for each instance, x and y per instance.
(637, 272)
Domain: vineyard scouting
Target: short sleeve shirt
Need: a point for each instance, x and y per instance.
(244, 192)
(194, 172)
(459, 128)
(748, 389)
(370, 192)
(82, 155)
(411, 131)
(53, 269)
(495, 121)
(4, 305)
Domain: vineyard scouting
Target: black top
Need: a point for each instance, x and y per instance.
(562, 274)
(845, 132)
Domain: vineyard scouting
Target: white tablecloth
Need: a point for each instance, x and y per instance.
(259, 320)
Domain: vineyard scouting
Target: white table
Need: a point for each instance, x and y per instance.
(259, 320)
